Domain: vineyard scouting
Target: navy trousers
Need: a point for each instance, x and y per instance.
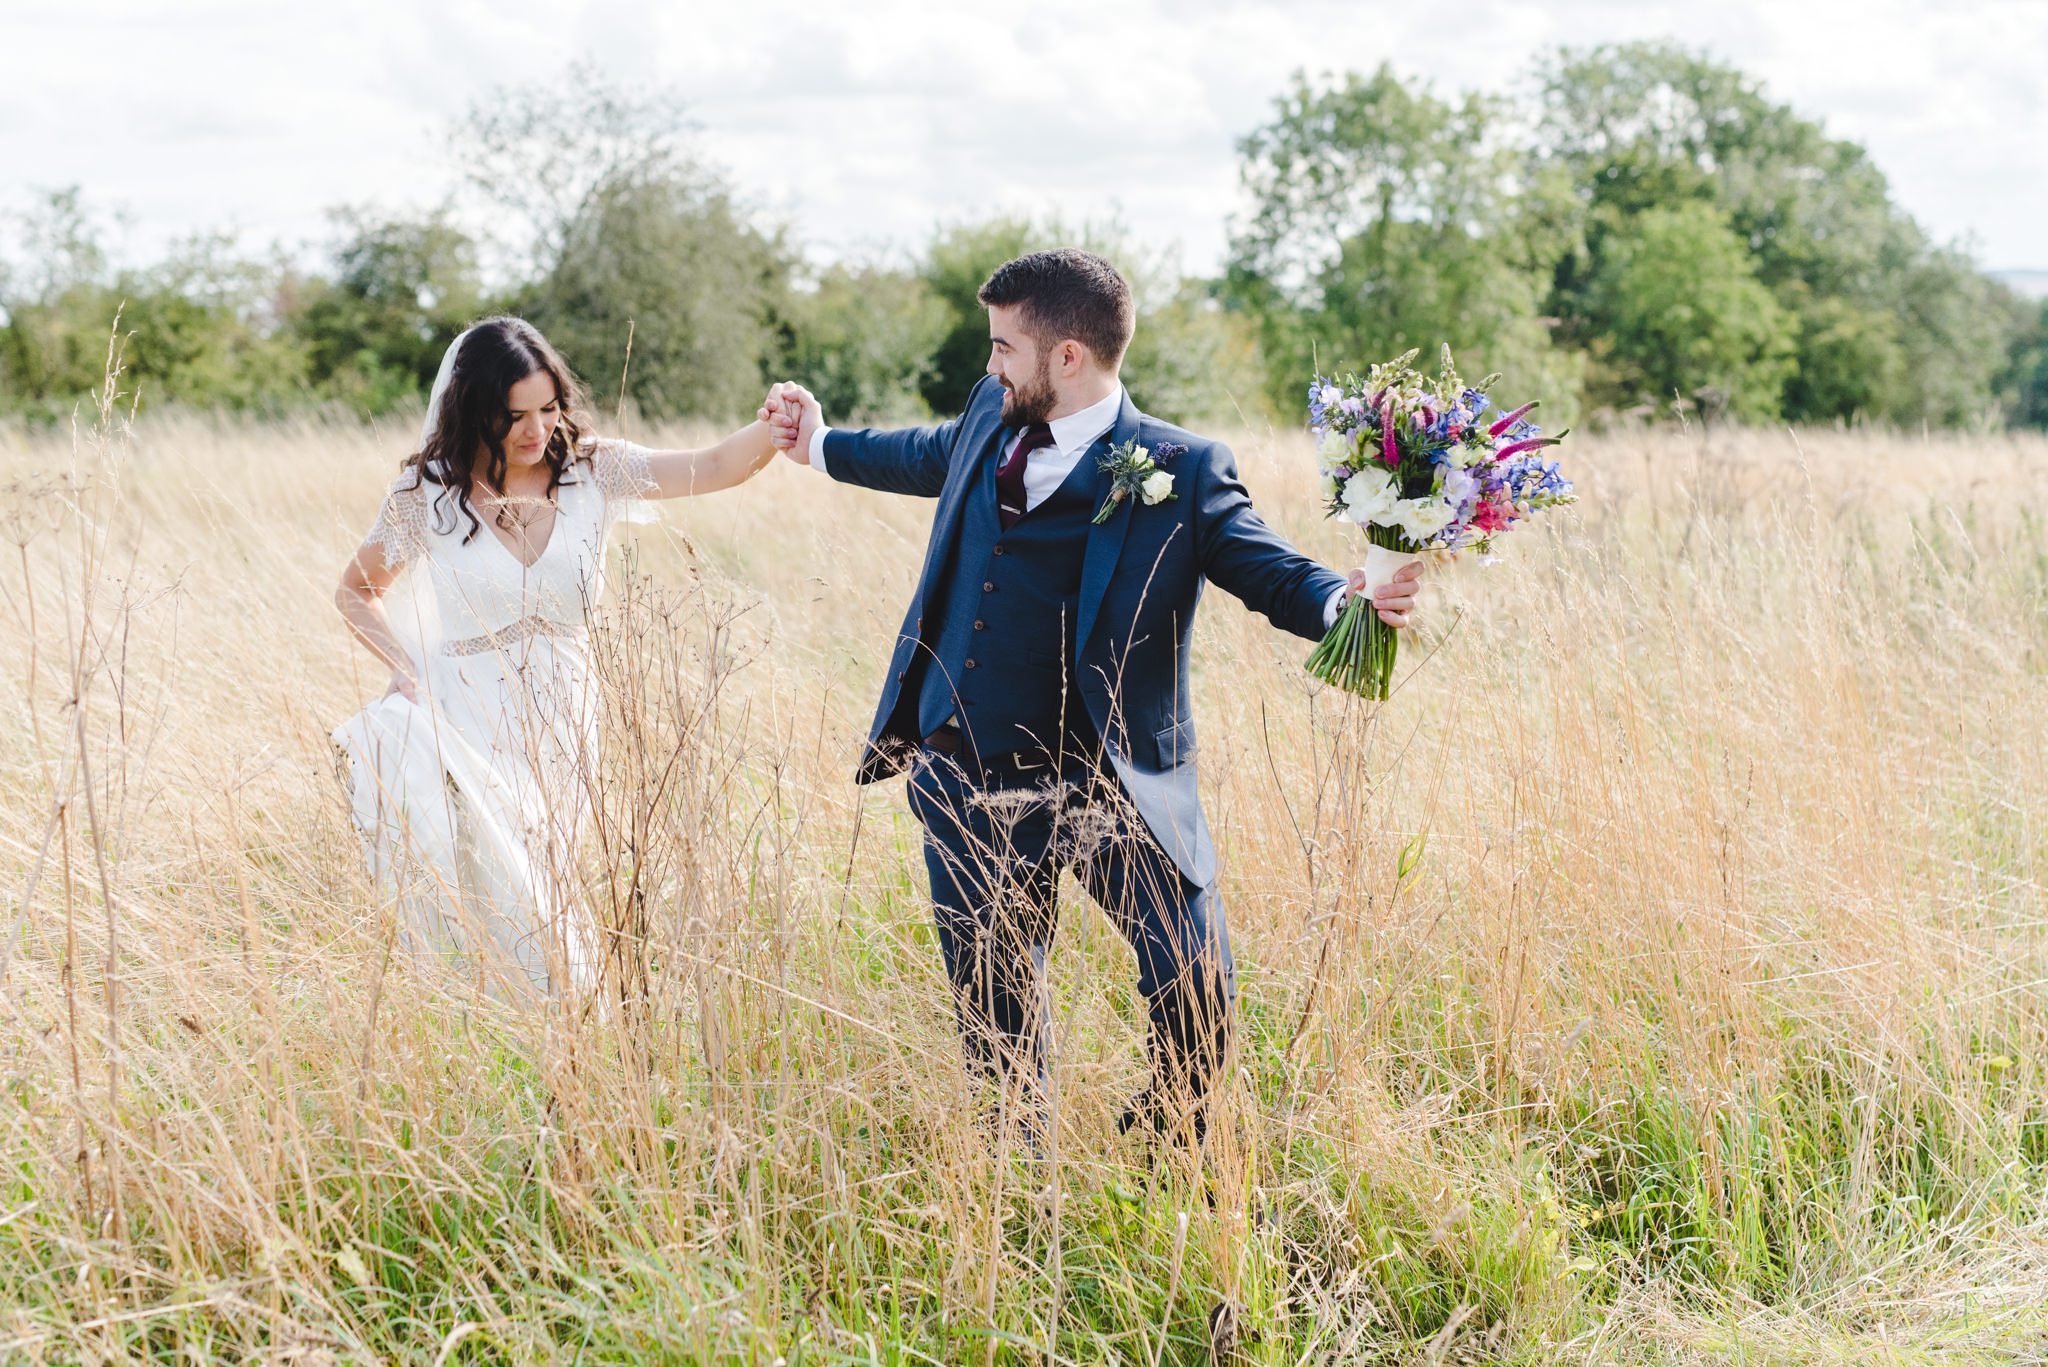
(995, 844)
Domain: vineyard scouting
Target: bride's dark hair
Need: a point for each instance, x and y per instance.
(474, 416)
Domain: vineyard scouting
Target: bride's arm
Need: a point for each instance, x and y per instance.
(361, 600)
(677, 474)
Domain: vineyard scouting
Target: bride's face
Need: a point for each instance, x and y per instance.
(535, 409)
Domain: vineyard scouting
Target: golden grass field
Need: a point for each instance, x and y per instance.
(1709, 1023)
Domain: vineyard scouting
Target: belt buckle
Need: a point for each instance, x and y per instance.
(1023, 766)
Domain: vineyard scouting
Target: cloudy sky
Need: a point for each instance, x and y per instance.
(864, 123)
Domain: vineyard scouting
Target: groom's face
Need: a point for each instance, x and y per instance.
(1023, 364)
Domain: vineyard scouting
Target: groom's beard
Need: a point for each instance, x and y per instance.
(1033, 402)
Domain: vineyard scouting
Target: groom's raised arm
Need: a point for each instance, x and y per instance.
(908, 460)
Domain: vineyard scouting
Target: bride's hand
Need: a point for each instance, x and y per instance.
(402, 684)
(794, 414)
(780, 415)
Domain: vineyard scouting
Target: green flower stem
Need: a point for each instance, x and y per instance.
(1357, 654)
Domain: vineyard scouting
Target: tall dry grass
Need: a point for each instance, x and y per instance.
(1658, 977)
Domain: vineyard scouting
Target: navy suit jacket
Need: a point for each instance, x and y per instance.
(1141, 576)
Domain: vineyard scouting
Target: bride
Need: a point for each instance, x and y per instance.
(469, 779)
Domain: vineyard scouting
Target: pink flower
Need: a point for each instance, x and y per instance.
(1510, 420)
(1518, 447)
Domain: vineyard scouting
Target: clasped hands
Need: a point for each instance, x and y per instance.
(793, 416)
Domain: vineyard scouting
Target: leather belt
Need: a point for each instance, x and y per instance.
(948, 741)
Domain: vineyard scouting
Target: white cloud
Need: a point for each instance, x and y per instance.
(866, 124)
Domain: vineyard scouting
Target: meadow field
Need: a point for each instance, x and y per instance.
(1661, 976)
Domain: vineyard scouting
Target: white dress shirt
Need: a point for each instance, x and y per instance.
(1048, 467)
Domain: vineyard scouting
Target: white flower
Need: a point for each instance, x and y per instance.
(1369, 495)
(1421, 518)
(1338, 448)
(1457, 488)
(1157, 488)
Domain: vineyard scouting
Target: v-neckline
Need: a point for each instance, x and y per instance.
(554, 524)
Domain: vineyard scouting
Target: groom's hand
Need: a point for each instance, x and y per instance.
(794, 414)
(1395, 599)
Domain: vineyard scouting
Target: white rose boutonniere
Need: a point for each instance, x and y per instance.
(1134, 469)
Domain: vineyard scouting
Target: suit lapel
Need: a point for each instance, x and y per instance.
(1105, 542)
(983, 502)
(956, 501)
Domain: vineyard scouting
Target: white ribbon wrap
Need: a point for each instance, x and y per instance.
(1381, 565)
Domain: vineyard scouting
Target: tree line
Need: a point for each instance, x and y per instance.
(1647, 232)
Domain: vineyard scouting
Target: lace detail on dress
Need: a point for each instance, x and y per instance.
(620, 469)
(525, 629)
(401, 525)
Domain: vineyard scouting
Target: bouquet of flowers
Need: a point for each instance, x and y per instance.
(1425, 467)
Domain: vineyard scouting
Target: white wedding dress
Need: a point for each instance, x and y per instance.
(470, 801)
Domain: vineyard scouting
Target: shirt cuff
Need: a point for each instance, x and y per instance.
(1335, 606)
(817, 451)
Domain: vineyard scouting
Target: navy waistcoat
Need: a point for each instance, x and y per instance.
(1002, 640)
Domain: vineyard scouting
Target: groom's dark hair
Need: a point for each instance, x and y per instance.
(1066, 293)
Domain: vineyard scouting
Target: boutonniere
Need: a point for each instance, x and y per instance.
(1134, 470)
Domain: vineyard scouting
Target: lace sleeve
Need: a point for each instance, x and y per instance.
(401, 525)
(620, 469)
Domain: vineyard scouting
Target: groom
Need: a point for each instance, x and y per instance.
(1038, 691)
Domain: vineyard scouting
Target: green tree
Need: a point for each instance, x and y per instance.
(1196, 363)
(58, 304)
(200, 327)
(1385, 218)
(1648, 127)
(864, 340)
(205, 331)
(542, 156)
(671, 263)
(2026, 378)
(956, 263)
(1851, 361)
(627, 234)
(401, 289)
(1956, 331)
(1679, 302)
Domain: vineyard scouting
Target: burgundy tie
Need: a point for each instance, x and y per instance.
(1010, 474)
